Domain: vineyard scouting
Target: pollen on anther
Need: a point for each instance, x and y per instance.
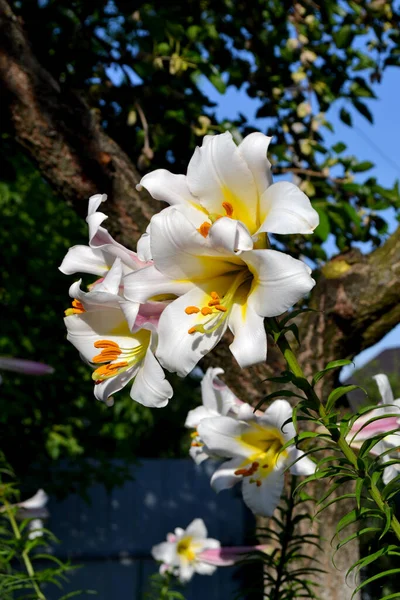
(227, 206)
(258, 482)
(204, 228)
(191, 310)
(214, 296)
(221, 308)
(206, 310)
(192, 330)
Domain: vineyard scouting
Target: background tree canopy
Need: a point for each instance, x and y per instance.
(98, 93)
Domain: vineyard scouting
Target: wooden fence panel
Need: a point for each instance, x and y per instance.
(112, 535)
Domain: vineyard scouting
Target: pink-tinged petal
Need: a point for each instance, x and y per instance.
(249, 346)
(167, 187)
(224, 477)
(254, 150)
(279, 281)
(222, 436)
(149, 283)
(286, 209)
(230, 555)
(362, 430)
(99, 238)
(150, 386)
(384, 389)
(27, 367)
(231, 235)
(215, 394)
(263, 499)
(182, 253)
(218, 173)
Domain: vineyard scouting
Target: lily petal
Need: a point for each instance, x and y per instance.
(150, 387)
(222, 436)
(218, 173)
(224, 477)
(167, 187)
(249, 346)
(229, 234)
(149, 282)
(254, 150)
(83, 259)
(263, 499)
(182, 253)
(197, 529)
(179, 351)
(385, 389)
(303, 466)
(277, 415)
(286, 209)
(279, 281)
(108, 387)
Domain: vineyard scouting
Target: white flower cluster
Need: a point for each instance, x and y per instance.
(203, 265)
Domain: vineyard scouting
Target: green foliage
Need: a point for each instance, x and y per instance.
(159, 56)
(26, 567)
(287, 576)
(57, 417)
(163, 587)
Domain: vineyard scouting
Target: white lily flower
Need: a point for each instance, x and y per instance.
(180, 554)
(218, 287)
(254, 445)
(224, 179)
(363, 429)
(101, 330)
(217, 399)
(34, 508)
(99, 256)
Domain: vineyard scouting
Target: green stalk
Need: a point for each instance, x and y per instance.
(340, 440)
(25, 556)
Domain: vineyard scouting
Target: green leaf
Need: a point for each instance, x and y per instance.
(339, 393)
(339, 147)
(334, 364)
(363, 166)
(218, 82)
(345, 116)
(344, 36)
(324, 228)
(363, 110)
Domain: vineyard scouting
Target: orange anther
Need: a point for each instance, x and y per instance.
(227, 206)
(78, 305)
(192, 330)
(194, 434)
(191, 310)
(196, 444)
(204, 228)
(214, 302)
(214, 296)
(258, 482)
(106, 344)
(265, 466)
(221, 308)
(206, 311)
(109, 369)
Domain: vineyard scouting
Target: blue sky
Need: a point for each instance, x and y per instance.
(377, 143)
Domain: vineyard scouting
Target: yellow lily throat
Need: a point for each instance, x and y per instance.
(266, 444)
(206, 226)
(111, 352)
(217, 308)
(184, 548)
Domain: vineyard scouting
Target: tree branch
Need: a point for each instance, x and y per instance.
(63, 136)
(356, 295)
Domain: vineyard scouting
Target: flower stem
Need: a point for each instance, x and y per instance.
(336, 435)
(25, 556)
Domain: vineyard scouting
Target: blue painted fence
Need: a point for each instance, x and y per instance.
(113, 535)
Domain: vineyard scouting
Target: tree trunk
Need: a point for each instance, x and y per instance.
(356, 295)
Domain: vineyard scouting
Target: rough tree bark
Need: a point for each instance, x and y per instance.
(356, 295)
